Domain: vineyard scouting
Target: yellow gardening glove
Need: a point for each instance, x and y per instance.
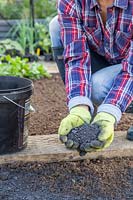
(106, 123)
(78, 116)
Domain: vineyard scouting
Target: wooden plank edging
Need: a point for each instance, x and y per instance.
(48, 148)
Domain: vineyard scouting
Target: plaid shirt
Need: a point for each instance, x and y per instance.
(81, 29)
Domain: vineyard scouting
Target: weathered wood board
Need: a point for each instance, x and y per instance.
(48, 148)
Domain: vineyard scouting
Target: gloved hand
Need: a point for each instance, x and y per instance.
(106, 123)
(78, 116)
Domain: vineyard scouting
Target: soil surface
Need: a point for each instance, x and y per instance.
(92, 180)
(110, 179)
(49, 101)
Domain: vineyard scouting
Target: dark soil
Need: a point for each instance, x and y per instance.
(110, 179)
(49, 100)
(92, 180)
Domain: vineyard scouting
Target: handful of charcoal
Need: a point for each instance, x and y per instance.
(83, 138)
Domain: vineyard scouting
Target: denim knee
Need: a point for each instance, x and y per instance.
(99, 91)
(102, 82)
(54, 30)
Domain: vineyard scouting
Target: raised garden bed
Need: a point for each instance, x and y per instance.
(97, 179)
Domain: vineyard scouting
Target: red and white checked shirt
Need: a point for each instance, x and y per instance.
(81, 29)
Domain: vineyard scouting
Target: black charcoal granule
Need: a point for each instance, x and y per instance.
(84, 134)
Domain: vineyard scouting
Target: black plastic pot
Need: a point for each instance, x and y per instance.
(31, 57)
(48, 57)
(13, 53)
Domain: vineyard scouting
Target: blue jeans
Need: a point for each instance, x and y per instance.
(102, 74)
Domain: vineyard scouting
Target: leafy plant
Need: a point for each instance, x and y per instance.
(42, 37)
(24, 34)
(20, 67)
(10, 45)
(30, 38)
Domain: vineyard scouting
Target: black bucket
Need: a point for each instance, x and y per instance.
(15, 96)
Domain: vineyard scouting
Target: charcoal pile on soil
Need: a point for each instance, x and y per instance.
(83, 137)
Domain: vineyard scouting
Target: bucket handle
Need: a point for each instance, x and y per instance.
(31, 107)
(14, 102)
